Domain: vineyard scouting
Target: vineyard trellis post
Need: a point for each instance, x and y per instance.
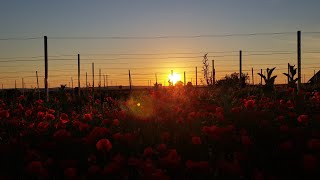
(184, 78)
(38, 84)
(130, 80)
(240, 73)
(46, 68)
(92, 78)
(213, 73)
(261, 77)
(299, 58)
(252, 76)
(78, 74)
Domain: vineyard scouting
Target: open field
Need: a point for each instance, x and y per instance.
(172, 133)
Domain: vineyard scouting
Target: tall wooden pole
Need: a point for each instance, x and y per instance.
(38, 83)
(92, 77)
(130, 80)
(288, 72)
(299, 58)
(261, 77)
(240, 59)
(78, 74)
(99, 77)
(107, 80)
(196, 76)
(184, 77)
(252, 76)
(213, 73)
(46, 68)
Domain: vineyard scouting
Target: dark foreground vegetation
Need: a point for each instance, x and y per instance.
(172, 133)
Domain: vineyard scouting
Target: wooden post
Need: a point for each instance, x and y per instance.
(196, 76)
(261, 77)
(288, 72)
(99, 77)
(240, 75)
(104, 81)
(213, 74)
(130, 80)
(107, 80)
(15, 84)
(46, 68)
(299, 58)
(92, 77)
(156, 78)
(184, 77)
(78, 74)
(252, 76)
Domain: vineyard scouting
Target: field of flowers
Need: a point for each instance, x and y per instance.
(162, 134)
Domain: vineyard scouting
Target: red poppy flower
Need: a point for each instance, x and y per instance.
(148, 152)
(64, 118)
(41, 115)
(87, 117)
(21, 97)
(50, 117)
(43, 126)
(162, 147)
(104, 145)
(303, 118)
(116, 122)
(250, 104)
(28, 113)
(196, 140)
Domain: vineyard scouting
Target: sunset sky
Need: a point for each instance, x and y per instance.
(85, 27)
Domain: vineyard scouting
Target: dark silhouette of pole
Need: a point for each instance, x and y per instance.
(104, 81)
(299, 58)
(46, 68)
(261, 77)
(196, 76)
(288, 72)
(38, 84)
(156, 78)
(22, 86)
(184, 78)
(78, 74)
(15, 84)
(252, 76)
(92, 77)
(99, 77)
(213, 73)
(240, 59)
(107, 80)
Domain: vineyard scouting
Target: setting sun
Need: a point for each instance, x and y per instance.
(174, 78)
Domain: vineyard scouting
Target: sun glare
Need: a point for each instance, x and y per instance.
(174, 78)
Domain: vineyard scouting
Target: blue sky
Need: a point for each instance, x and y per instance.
(37, 18)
